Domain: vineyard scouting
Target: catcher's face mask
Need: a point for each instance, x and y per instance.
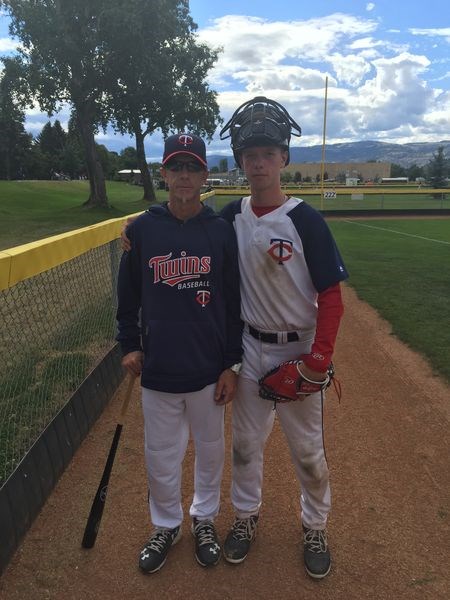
(260, 122)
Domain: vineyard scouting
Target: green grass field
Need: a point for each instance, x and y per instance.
(402, 268)
(32, 210)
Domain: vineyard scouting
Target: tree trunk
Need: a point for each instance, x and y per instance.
(149, 190)
(8, 164)
(97, 196)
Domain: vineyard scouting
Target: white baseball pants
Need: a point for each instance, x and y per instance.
(301, 422)
(167, 420)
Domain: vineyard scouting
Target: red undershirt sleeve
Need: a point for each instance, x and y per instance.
(329, 314)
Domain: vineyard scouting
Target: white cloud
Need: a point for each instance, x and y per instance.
(253, 44)
(350, 69)
(433, 32)
(35, 126)
(8, 45)
(370, 6)
(366, 42)
(282, 77)
(445, 76)
(397, 96)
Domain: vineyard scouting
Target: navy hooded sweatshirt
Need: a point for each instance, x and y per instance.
(178, 299)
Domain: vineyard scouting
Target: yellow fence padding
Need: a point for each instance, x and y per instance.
(28, 260)
(5, 267)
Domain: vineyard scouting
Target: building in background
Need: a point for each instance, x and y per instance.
(340, 172)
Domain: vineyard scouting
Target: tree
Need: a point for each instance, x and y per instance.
(398, 170)
(437, 169)
(156, 72)
(63, 56)
(128, 158)
(52, 138)
(110, 161)
(297, 177)
(74, 162)
(52, 144)
(223, 165)
(15, 142)
(415, 172)
(38, 165)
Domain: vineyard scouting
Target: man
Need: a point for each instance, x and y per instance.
(290, 271)
(180, 329)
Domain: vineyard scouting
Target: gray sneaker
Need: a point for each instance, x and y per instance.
(241, 535)
(316, 553)
(207, 547)
(154, 554)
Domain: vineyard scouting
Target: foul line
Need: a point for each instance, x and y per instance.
(419, 237)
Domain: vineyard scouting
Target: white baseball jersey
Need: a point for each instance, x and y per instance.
(285, 258)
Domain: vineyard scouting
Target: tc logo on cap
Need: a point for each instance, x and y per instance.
(185, 140)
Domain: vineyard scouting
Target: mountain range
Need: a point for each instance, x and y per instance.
(419, 153)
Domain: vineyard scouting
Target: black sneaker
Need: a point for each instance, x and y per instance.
(316, 553)
(207, 548)
(154, 553)
(238, 541)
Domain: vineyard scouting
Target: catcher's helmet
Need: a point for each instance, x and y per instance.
(260, 122)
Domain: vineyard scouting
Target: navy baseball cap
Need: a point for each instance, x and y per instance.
(185, 143)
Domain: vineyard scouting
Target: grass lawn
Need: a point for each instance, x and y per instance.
(32, 210)
(401, 268)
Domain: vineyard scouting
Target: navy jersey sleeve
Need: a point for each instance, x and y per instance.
(129, 287)
(322, 256)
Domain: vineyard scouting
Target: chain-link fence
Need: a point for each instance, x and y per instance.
(56, 326)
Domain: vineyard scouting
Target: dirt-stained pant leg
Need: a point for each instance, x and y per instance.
(302, 423)
(252, 423)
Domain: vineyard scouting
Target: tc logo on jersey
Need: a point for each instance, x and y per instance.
(280, 250)
(203, 297)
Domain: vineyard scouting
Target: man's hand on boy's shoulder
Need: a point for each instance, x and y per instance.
(126, 244)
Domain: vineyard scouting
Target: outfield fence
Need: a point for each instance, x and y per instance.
(347, 199)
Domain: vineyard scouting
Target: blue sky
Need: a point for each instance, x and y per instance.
(387, 63)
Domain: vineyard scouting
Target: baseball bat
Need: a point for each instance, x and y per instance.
(98, 504)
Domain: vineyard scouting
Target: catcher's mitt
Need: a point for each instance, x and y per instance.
(285, 383)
